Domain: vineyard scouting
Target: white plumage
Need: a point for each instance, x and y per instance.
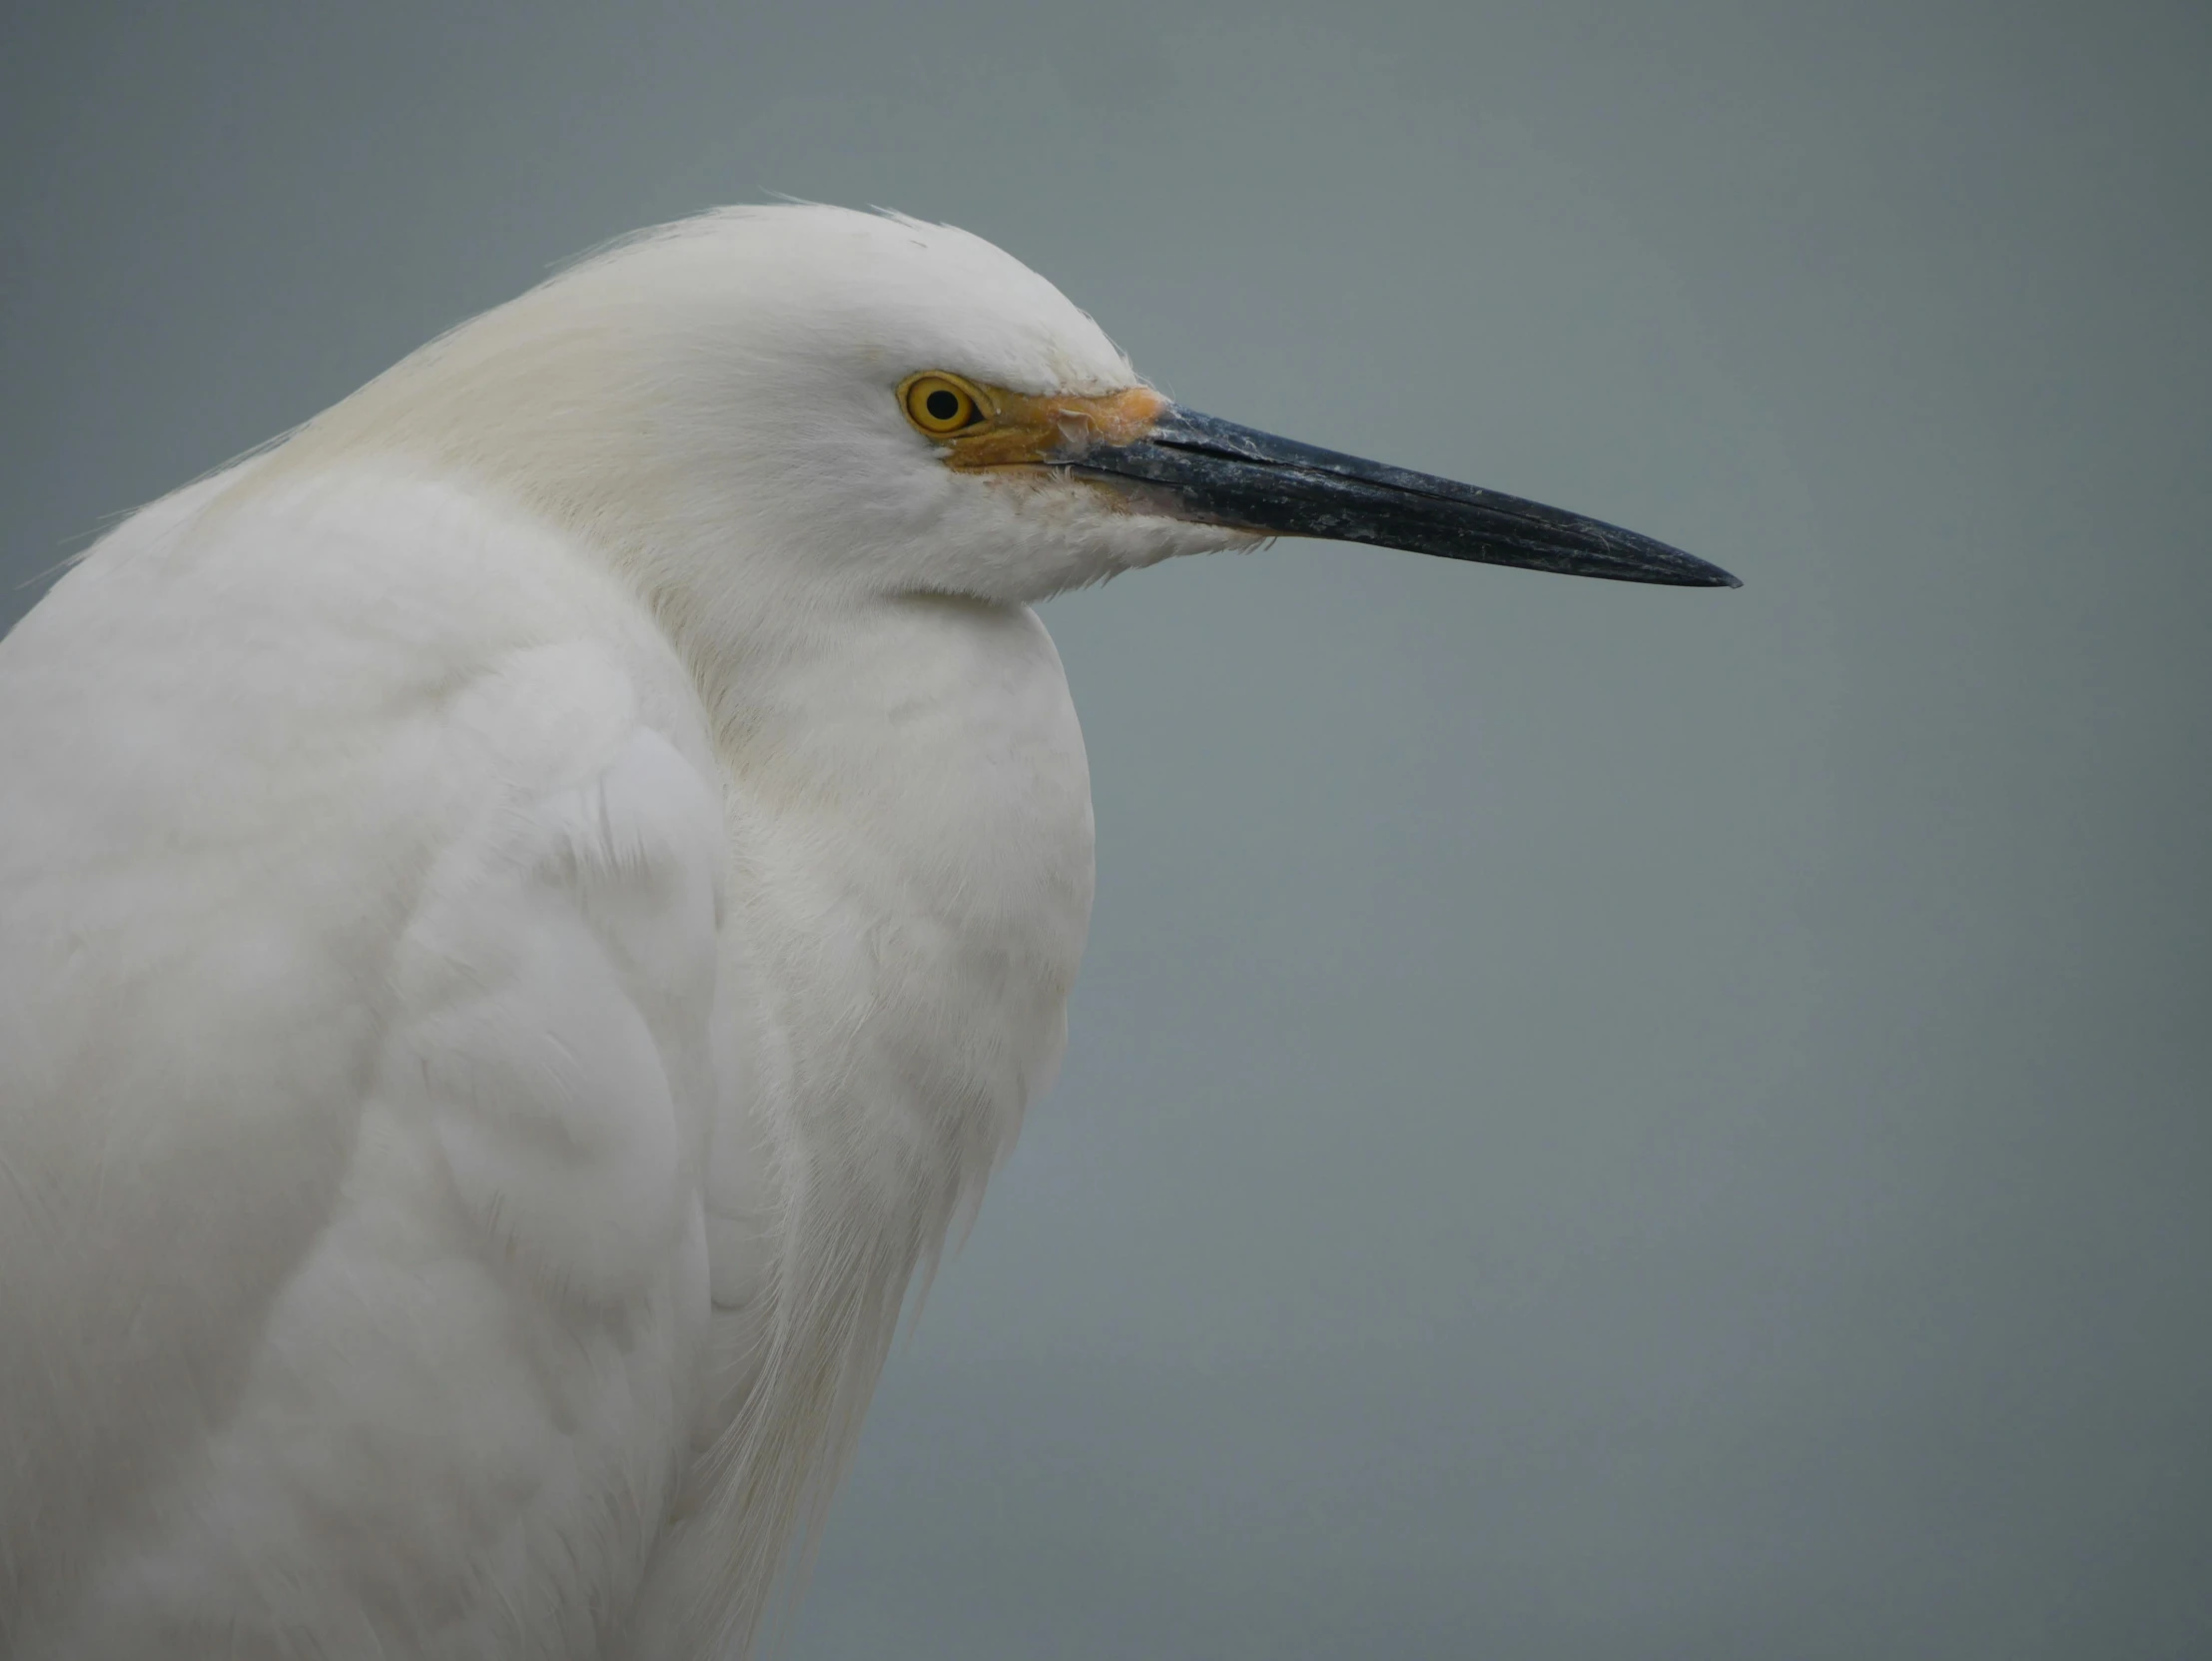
(528, 909)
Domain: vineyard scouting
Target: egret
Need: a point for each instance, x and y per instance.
(530, 906)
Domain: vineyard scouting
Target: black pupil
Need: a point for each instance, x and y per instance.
(942, 405)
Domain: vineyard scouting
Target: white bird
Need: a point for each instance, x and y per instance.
(529, 908)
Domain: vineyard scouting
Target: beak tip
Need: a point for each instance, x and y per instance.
(1693, 572)
(1672, 569)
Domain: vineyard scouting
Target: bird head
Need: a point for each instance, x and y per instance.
(829, 404)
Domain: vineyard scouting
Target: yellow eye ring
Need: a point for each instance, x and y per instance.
(941, 404)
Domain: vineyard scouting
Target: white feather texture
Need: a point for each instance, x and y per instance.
(527, 910)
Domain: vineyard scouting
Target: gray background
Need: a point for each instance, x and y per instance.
(1601, 1123)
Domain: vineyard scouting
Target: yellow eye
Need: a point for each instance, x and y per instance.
(942, 405)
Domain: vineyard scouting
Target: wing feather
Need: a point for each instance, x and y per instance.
(356, 1087)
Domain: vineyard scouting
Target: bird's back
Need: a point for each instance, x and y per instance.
(360, 876)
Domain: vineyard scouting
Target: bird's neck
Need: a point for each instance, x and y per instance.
(911, 813)
(909, 822)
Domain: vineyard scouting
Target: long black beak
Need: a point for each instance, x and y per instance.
(1224, 473)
